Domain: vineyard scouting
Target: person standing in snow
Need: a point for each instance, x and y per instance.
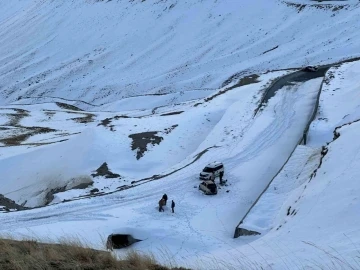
(161, 203)
(212, 177)
(165, 198)
(172, 206)
(221, 177)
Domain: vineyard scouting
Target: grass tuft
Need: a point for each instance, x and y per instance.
(69, 254)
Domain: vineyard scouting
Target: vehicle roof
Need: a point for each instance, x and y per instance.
(214, 164)
(209, 182)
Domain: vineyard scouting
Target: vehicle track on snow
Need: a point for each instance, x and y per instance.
(81, 210)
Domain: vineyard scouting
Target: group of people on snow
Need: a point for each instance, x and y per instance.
(164, 198)
(163, 202)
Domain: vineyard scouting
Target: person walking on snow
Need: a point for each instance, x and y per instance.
(165, 198)
(161, 203)
(172, 205)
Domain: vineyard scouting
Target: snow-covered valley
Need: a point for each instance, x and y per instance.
(159, 89)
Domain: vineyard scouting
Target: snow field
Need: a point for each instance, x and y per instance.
(96, 53)
(306, 217)
(146, 59)
(200, 225)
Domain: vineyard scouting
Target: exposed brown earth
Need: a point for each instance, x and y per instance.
(141, 141)
(103, 170)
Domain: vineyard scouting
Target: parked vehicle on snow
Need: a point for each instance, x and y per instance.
(211, 171)
(310, 69)
(208, 187)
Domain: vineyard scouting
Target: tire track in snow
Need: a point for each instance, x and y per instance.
(283, 117)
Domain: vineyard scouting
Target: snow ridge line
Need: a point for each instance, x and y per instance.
(306, 131)
(237, 232)
(324, 149)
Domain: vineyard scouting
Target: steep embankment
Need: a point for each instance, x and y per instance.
(311, 204)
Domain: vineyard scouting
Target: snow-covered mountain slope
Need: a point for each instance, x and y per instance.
(245, 143)
(310, 206)
(98, 51)
(157, 90)
(138, 146)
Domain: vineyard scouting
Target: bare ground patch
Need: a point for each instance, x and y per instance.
(85, 117)
(20, 138)
(107, 121)
(12, 133)
(140, 141)
(171, 113)
(16, 117)
(103, 170)
(68, 106)
(323, 4)
(7, 205)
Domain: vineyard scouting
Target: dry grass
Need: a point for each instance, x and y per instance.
(30, 254)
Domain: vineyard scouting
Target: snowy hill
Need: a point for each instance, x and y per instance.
(107, 105)
(98, 51)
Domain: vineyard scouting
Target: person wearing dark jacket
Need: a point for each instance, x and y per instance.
(221, 177)
(161, 204)
(172, 205)
(165, 198)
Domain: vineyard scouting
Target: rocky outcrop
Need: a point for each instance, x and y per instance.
(7, 205)
(103, 170)
(117, 241)
(244, 232)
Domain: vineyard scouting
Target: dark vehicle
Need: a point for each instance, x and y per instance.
(310, 69)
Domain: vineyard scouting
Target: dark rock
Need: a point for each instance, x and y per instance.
(83, 185)
(103, 170)
(141, 140)
(10, 204)
(105, 122)
(117, 241)
(49, 197)
(244, 232)
(171, 113)
(94, 190)
(67, 106)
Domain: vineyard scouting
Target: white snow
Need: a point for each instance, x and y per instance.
(320, 227)
(102, 51)
(179, 70)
